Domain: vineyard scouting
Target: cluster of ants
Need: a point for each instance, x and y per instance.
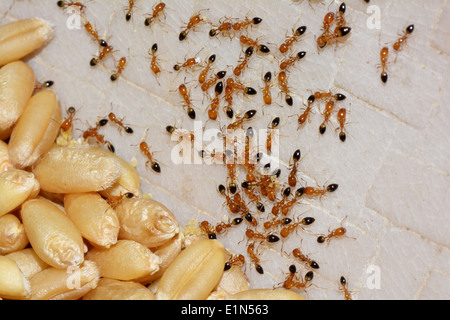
(230, 28)
(278, 224)
(259, 185)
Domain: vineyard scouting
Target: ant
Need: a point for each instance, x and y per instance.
(251, 219)
(326, 114)
(113, 118)
(238, 200)
(288, 205)
(184, 93)
(65, 5)
(341, 32)
(218, 76)
(288, 62)
(120, 67)
(91, 30)
(344, 287)
(311, 191)
(336, 233)
(255, 259)
(189, 63)
(290, 40)
(249, 164)
(327, 21)
(254, 44)
(180, 133)
(341, 119)
(254, 197)
(340, 19)
(319, 95)
(269, 184)
(157, 10)
(239, 122)
(275, 123)
(231, 171)
(68, 122)
(289, 282)
(153, 64)
(286, 231)
(250, 234)
(193, 21)
(304, 258)
(304, 116)
(115, 201)
(130, 9)
(244, 63)
(202, 76)
(225, 25)
(303, 284)
(276, 208)
(235, 85)
(274, 223)
(105, 52)
(153, 164)
(384, 53)
(47, 84)
(402, 40)
(206, 227)
(282, 81)
(222, 227)
(236, 260)
(267, 96)
(229, 90)
(292, 178)
(240, 25)
(212, 157)
(234, 208)
(212, 112)
(93, 133)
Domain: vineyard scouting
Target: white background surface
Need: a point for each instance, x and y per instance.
(393, 170)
